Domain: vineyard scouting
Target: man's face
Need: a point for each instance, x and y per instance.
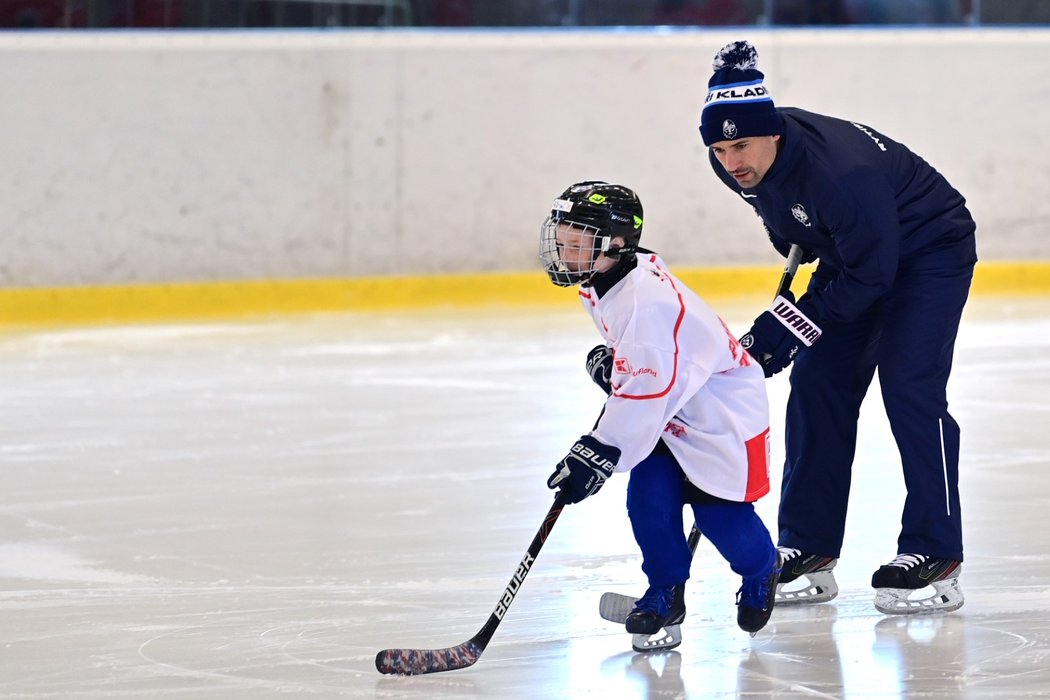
(747, 160)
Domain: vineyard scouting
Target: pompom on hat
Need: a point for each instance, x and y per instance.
(738, 104)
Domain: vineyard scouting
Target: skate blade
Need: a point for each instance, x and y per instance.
(818, 587)
(947, 597)
(615, 607)
(667, 638)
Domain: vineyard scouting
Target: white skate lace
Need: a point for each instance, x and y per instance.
(907, 561)
(787, 553)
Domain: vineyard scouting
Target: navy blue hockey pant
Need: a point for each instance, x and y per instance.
(656, 495)
(910, 337)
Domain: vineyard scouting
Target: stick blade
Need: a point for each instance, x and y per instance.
(413, 662)
(615, 607)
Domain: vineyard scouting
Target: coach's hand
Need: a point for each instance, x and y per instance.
(599, 366)
(778, 334)
(585, 469)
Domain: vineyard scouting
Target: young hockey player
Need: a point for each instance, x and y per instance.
(686, 412)
(896, 249)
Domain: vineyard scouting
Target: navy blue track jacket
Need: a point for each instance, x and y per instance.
(862, 203)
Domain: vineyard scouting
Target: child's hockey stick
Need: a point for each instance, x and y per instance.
(615, 607)
(407, 662)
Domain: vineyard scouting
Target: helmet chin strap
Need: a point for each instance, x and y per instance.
(620, 252)
(623, 263)
(616, 251)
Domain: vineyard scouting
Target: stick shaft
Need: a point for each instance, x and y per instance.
(407, 662)
(790, 268)
(481, 639)
(694, 539)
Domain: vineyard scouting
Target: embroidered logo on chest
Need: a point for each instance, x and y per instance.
(799, 212)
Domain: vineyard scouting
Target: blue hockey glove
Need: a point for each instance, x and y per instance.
(599, 366)
(585, 469)
(779, 333)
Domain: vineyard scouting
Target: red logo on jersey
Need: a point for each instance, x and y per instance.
(742, 356)
(674, 429)
(622, 366)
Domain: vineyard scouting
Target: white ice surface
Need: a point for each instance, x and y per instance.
(254, 509)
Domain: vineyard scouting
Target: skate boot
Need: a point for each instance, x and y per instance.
(818, 584)
(756, 598)
(909, 573)
(656, 617)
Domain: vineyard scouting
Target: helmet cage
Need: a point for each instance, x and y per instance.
(551, 249)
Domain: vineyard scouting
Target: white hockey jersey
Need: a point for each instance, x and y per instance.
(679, 374)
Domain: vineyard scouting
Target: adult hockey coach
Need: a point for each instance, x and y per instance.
(896, 253)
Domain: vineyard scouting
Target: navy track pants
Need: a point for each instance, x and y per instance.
(909, 335)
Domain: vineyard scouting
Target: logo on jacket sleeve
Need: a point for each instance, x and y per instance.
(873, 137)
(799, 212)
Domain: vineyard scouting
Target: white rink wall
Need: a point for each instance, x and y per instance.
(162, 157)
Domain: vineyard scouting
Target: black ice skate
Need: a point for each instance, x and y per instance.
(908, 573)
(755, 600)
(656, 618)
(817, 584)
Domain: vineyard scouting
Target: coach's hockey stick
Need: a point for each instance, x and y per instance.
(615, 607)
(790, 268)
(408, 662)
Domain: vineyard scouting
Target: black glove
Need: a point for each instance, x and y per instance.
(584, 470)
(778, 334)
(599, 366)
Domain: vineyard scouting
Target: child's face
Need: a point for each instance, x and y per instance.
(576, 247)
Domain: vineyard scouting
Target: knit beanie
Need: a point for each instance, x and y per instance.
(738, 105)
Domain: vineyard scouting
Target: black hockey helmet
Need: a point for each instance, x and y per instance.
(607, 211)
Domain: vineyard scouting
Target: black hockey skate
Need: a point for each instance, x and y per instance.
(755, 600)
(895, 582)
(660, 609)
(818, 582)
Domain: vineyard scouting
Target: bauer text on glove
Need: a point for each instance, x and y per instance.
(583, 471)
(779, 333)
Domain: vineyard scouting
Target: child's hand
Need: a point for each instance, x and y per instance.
(599, 366)
(584, 470)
